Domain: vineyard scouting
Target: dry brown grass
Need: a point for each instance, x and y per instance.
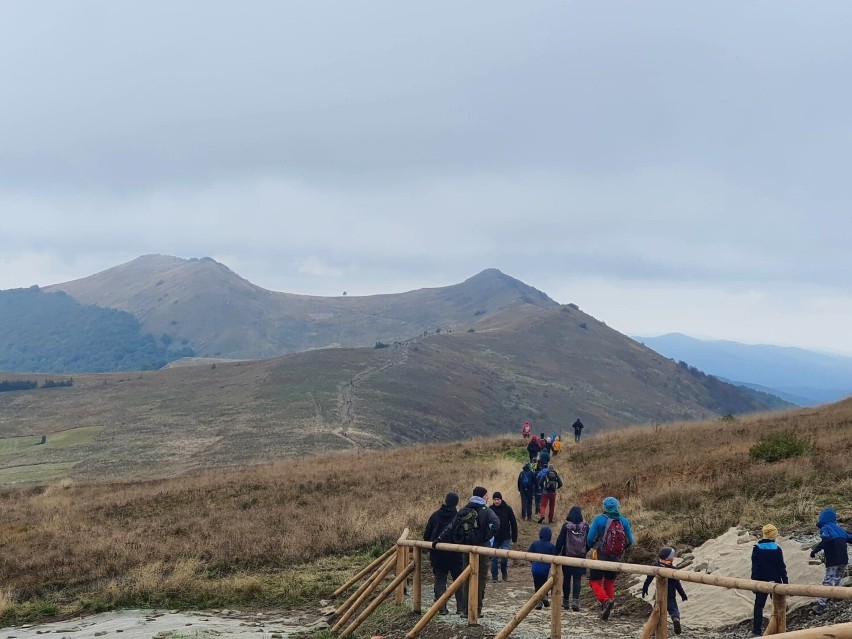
(276, 534)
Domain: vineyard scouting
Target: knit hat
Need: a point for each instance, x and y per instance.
(667, 553)
(452, 500)
(479, 491)
(611, 506)
(770, 531)
(497, 495)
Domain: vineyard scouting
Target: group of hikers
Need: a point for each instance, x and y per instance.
(607, 538)
(526, 433)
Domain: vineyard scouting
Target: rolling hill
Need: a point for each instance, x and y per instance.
(546, 364)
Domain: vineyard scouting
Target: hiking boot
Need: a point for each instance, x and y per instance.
(606, 609)
(546, 602)
(566, 604)
(494, 578)
(505, 575)
(676, 624)
(818, 609)
(443, 611)
(575, 605)
(538, 606)
(541, 519)
(463, 613)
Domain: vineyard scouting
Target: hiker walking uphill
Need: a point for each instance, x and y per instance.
(473, 525)
(610, 535)
(550, 482)
(526, 487)
(533, 448)
(578, 430)
(506, 535)
(572, 543)
(832, 541)
(767, 564)
(666, 560)
(444, 562)
(541, 569)
(526, 429)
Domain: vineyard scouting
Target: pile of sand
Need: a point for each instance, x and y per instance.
(712, 606)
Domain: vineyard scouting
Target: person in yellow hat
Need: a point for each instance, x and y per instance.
(767, 564)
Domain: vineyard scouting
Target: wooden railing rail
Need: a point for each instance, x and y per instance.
(406, 556)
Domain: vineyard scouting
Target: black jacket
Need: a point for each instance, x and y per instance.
(508, 524)
(577, 426)
(674, 584)
(437, 523)
(767, 562)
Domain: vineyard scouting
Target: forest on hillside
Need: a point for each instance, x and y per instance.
(52, 333)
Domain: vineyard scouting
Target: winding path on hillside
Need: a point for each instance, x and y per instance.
(346, 391)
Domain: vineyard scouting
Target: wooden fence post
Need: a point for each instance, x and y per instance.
(473, 589)
(556, 603)
(401, 552)
(417, 586)
(778, 620)
(661, 604)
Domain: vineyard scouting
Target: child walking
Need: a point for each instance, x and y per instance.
(666, 560)
(767, 564)
(541, 569)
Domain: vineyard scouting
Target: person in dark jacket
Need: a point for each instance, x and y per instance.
(541, 569)
(532, 448)
(666, 560)
(444, 562)
(508, 532)
(767, 564)
(602, 582)
(489, 524)
(550, 482)
(578, 430)
(526, 487)
(832, 541)
(572, 543)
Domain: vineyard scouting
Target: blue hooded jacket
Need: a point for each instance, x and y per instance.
(833, 539)
(544, 547)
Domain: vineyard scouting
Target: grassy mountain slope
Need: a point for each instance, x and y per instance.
(264, 535)
(203, 304)
(811, 377)
(547, 365)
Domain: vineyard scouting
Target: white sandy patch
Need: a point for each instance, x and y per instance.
(712, 606)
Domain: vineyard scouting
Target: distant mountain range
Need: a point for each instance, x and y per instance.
(797, 375)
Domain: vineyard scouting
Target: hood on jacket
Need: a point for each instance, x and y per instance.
(545, 534)
(611, 506)
(575, 515)
(827, 516)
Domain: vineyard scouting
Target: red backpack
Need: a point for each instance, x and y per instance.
(613, 542)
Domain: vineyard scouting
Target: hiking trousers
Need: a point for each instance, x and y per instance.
(759, 603)
(833, 577)
(572, 581)
(441, 573)
(548, 506)
(526, 505)
(577, 437)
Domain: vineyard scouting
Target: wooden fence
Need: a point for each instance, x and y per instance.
(405, 559)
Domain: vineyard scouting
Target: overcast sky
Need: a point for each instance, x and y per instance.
(668, 166)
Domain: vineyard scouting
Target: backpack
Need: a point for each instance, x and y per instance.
(575, 539)
(467, 529)
(526, 481)
(613, 542)
(551, 483)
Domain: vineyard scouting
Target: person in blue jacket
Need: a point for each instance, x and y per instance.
(767, 564)
(666, 560)
(610, 535)
(526, 487)
(541, 569)
(833, 540)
